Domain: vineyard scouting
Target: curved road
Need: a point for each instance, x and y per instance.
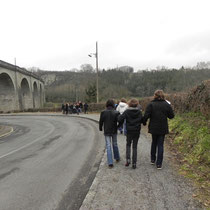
(46, 160)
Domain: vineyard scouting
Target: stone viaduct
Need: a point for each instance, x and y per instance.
(19, 89)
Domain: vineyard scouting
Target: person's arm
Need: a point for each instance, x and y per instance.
(117, 116)
(147, 114)
(170, 112)
(101, 121)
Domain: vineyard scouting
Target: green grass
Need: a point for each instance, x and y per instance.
(190, 137)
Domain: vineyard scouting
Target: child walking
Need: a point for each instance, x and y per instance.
(133, 117)
(108, 121)
(121, 108)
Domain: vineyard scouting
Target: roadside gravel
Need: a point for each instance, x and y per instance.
(123, 188)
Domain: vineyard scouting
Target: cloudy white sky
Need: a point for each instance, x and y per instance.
(59, 34)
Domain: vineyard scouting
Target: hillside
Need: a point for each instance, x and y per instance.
(72, 86)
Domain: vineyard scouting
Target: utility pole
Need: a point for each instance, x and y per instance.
(96, 56)
(97, 94)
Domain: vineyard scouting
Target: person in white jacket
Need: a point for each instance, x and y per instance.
(122, 106)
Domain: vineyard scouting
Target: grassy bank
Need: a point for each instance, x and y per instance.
(190, 143)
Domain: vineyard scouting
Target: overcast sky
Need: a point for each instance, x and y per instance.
(59, 34)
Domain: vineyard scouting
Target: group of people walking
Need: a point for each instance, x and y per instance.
(71, 108)
(127, 117)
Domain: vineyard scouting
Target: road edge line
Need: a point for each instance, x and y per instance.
(8, 133)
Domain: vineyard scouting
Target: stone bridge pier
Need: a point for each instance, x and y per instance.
(19, 89)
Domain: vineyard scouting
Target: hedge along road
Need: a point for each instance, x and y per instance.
(48, 162)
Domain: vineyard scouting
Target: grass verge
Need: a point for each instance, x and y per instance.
(189, 140)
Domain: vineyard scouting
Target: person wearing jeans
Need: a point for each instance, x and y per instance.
(158, 111)
(108, 122)
(157, 143)
(111, 142)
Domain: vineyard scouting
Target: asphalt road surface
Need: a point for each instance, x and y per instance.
(48, 162)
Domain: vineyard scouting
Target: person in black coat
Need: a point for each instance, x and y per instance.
(86, 108)
(158, 111)
(67, 108)
(133, 117)
(63, 108)
(108, 122)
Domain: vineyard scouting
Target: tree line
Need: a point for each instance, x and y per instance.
(116, 83)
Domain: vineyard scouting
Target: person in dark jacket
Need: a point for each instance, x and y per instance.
(108, 122)
(67, 108)
(71, 108)
(77, 108)
(158, 111)
(86, 108)
(133, 117)
(80, 106)
(63, 108)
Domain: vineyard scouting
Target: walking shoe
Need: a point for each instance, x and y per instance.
(127, 163)
(134, 166)
(118, 160)
(110, 165)
(152, 162)
(159, 167)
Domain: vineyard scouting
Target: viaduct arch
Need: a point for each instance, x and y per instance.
(19, 88)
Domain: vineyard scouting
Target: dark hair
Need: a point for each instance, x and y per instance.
(110, 102)
(159, 94)
(133, 102)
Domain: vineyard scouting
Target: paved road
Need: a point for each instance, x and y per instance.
(48, 162)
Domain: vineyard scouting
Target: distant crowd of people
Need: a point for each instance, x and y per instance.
(127, 118)
(74, 108)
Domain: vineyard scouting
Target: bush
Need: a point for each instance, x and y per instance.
(94, 107)
(196, 100)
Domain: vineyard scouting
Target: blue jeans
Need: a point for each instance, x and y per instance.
(111, 142)
(157, 142)
(123, 129)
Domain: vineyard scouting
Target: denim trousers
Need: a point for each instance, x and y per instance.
(157, 142)
(111, 143)
(132, 138)
(123, 129)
